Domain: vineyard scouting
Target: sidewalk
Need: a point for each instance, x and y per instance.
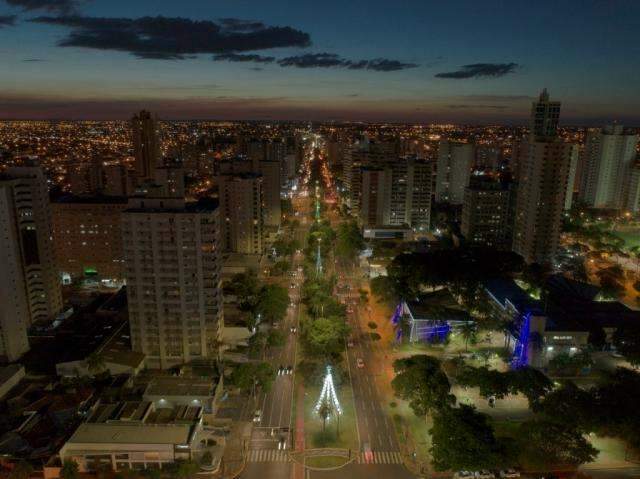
(298, 469)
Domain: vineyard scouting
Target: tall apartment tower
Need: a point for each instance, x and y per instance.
(632, 202)
(241, 209)
(29, 284)
(608, 159)
(487, 213)
(542, 189)
(146, 144)
(455, 161)
(271, 185)
(173, 266)
(545, 115)
(397, 193)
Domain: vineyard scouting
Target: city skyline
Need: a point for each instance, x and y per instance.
(427, 62)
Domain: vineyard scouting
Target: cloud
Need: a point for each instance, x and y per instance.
(477, 107)
(62, 7)
(237, 57)
(332, 60)
(499, 98)
(479, 70)
(7, 20)
(256, 69)
(33, 60)
(172, 38)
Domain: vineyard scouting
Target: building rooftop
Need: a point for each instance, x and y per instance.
(181, 386)
(109, 433)
(97, 199)
(504, 290)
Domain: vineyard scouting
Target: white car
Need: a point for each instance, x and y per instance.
(360, 362)
(257, 416)
(509, 473)
(463, 475)
(484, 474)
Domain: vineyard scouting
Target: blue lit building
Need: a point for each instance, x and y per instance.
(560, 322)
(432, 317)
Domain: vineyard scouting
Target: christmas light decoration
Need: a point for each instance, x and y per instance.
(328, 394)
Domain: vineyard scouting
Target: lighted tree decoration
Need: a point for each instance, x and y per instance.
(328, 401)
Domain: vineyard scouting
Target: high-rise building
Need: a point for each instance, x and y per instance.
(241, 212)
(607, 162)
(632, 203)
(455, 161)
(146, 144)
(87, 235)
(542, 188)
(29, 284)
(545, 114)
(173, 265)
(271, 185)
(487, 212)
(398, 193)
(364, 153)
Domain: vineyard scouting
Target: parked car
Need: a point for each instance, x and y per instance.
(360, 362)
(509, 473)
(463, 475)
(484, 474)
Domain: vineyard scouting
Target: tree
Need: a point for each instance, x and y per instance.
(325, 337)
(324, 412)
(246, 288)
(95, 362)
(22, 470)
(463, 438)
(531, 382)
(69, 469)
(187, 469)
(382, 289)
(251, 376)
(349, 241)
(280, 268)
(489, 381)
(421, 381)
(626, 339)
(276, 338)
(468, 332)
(272, 302)
(547, 443)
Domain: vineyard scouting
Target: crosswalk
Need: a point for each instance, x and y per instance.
(380, 457)
(275, 455)
(268, 455)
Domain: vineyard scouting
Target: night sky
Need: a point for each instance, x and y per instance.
(465, 61)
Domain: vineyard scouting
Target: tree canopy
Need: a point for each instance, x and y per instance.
(421, 381)
(325, 336)
(463, 438)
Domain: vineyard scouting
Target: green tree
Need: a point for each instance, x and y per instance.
(280, 268)
(95, 362)
(276, 338)
(382, 289)
(421, 381)
(626, 339)
(463, 438)
(69, 469)
(349, 241)
(546, 443)
(272, 303)
(250, 377)
(187, 469)
(324, 412)
(325, 337)
(245, 287)
(22, 470)
(468, 332)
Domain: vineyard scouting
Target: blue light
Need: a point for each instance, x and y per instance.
(395, 319)
(520, 352)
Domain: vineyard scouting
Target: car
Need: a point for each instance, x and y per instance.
(350, 343)
(294, 329)
(257, 416)
(484, 474)
(463, 475)
(282, 443)
(281, 370)
(367, 453)
(289, 369)
(509, 473)
(360, 362)
(292, 285)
